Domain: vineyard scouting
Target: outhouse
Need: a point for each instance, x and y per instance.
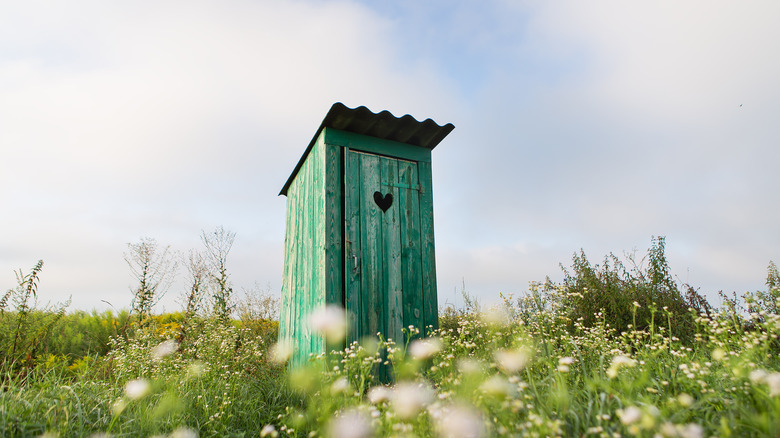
(359, 228)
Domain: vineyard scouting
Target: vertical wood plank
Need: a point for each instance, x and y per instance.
(333, 225)
(304, 283)
(430, 298)
(411, 244)
(353, 249)
(371, 241)
(393, 285)
(317, 248)
(284, 317)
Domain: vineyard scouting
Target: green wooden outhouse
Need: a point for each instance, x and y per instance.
(359, 229)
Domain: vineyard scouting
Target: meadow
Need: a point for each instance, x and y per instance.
(615, 349)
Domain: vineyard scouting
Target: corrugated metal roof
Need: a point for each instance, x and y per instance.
(384, 125)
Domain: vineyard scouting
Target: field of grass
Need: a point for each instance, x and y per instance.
(505, 372)
(537, 365)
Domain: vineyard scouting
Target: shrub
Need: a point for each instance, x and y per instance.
(632, 298)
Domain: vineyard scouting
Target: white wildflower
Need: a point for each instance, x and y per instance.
(757, 376)
(341, 385)
(685, 399)
(410, 398)
(618, 362)
(460, 422)
(331, 322)
(773, 381)
(195, 369)
(137, 389)
(379, 394)
(512, 361)
(691, 430)
(184, 432)
(118, 406)
(281, 352)
(422, 349)
(269, 431)
(668, 430)
(629, 415)
(351, 424)
(563, 364)
(497, 386)
(164, 349)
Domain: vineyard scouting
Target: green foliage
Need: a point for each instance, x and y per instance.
(25, 329)
(147, 386)
(536, 366)
(83, 333)
(630, 298)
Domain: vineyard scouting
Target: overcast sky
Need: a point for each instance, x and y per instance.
(591, 125)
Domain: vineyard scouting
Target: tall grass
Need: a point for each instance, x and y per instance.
(493, 374)
(533, 366)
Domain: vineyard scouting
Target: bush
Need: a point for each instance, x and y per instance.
(631, 299)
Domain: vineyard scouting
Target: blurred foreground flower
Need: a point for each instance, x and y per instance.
(195, 369)
(497, 386)
(460, 422)
(281, 352)
(773, 381)
(269, 431)
(165, 348)
(468, 365)
(351, 424)
(691, 430)
(629, 415)
(685, 399)
(563, 364)
(137, 389)
(619, 362)
(379, 394)
(422, 349)
(331, 322)
(409, 398)
(341, 386)
(184, 432)
(512, 361)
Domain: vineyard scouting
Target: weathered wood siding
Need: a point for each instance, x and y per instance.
(312, 254)
(387, 253)
(342, 249)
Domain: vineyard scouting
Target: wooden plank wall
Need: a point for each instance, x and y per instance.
(383, 271)
(386, 287)
(430, 303)
(304, 282)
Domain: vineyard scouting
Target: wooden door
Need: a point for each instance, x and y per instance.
(383, 275)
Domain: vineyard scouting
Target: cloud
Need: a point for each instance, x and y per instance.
(126, 120)
(637, 131)
(579, 125)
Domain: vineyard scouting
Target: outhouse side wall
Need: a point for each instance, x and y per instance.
(312, 254)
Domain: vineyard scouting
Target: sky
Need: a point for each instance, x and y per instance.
(579, 125)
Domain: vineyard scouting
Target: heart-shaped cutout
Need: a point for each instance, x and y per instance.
(384, 202)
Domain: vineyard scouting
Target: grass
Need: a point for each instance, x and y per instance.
(521, 369)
